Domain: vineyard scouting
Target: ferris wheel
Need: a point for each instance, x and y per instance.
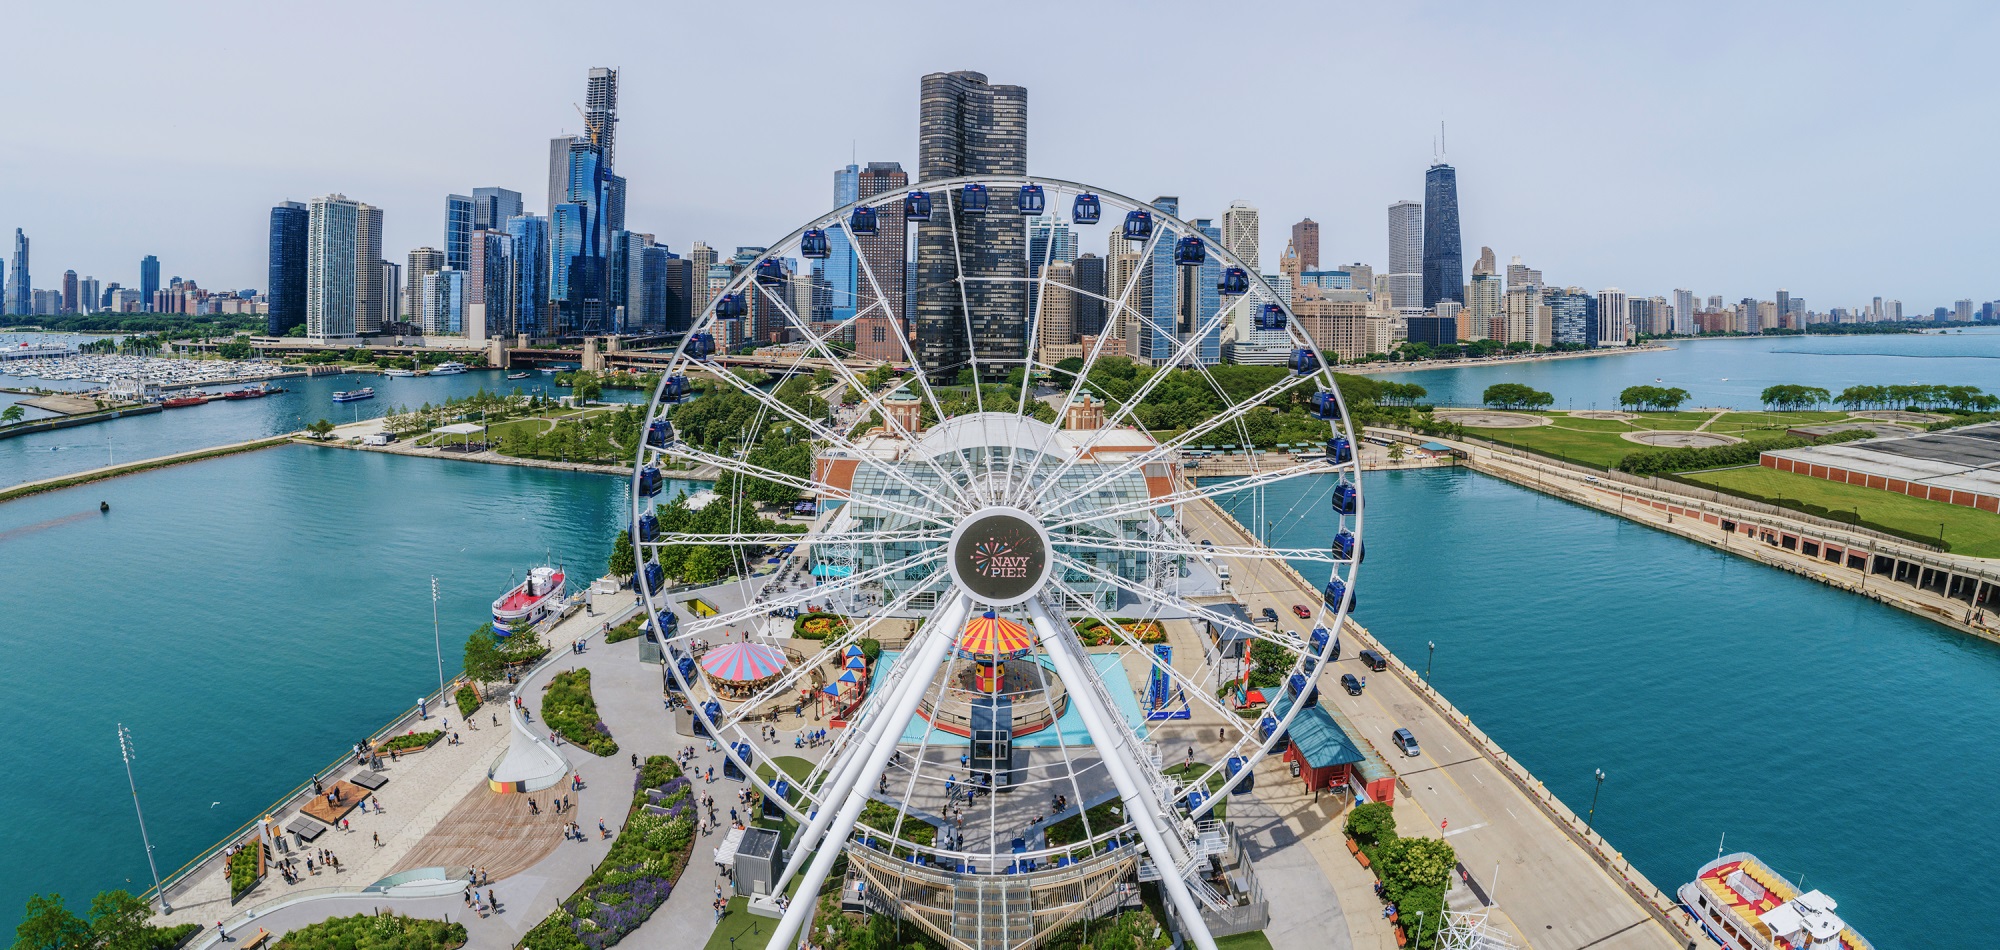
(964, 554)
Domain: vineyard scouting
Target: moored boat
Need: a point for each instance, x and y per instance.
(399, 373)
(448, 369)
(1745, 905)
(521, 375)
(528, 602)
(179, 401)
(354, 395)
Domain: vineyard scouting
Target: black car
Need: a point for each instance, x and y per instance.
(1351, 683)
(1374, 661)
(1270, 615)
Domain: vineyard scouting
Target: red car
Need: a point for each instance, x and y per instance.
(1301, 611)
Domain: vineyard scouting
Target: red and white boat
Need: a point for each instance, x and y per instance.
(529, 602)
(1744, 905)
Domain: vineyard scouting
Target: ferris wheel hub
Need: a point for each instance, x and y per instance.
(1000, 555)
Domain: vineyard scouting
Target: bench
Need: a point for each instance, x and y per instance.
(372, 781)
(263, 939)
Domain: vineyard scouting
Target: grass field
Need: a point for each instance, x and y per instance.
(1967, 531)
(1254, 940)
(1598, 442)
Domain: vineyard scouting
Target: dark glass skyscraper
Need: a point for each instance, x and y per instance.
(287, 278)
(20, 293)
(966, 126)
(1444, 260)
(457, 232)
(149, 281)
(1089, 277)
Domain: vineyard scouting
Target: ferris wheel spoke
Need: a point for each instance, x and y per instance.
(670, 538)
(1111, 316)
(1165, 602)
(1166, 451)
(1181, 548)
(1191, 493)
(1188, 685)
(795, 598)
(816, 342)
(902, 336)
(737, 466)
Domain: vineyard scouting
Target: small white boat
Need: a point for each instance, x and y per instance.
(529, 602)
(399, 373)
(448, 369)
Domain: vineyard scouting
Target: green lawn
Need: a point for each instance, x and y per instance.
(1596, 448)
(1597, 442)
(1254, 940)
(1967, 531)
(1186, 772)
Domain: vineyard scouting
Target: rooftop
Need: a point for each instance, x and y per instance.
(1965, 459)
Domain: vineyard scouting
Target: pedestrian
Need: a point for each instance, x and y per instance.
(602, 831)
(635, 760)
(491, 900)
(378, 839)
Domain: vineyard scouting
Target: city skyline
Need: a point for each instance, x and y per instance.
(1734, 220)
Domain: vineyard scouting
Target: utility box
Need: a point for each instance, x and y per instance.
(756, 862)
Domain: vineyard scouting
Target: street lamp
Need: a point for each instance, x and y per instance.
(1428, 659)
(125, 752)
(437, 639)
(1593, 801)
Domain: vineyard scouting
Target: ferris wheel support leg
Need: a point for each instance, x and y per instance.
(877, 745)
(1124, 773)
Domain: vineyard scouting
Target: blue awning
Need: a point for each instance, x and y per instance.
(831, 570)
(1319, 739)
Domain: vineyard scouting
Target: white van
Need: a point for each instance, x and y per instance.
(1222, 572)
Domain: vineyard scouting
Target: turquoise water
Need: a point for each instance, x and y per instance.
(1731, 372)
(1069, 726)
(66, 451)
(247, 618)
(1836, 738)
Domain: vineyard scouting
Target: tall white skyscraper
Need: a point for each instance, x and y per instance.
(331, 233)
(1683, 311)
(1612, 317)
(1406, 254)
(1240, 232)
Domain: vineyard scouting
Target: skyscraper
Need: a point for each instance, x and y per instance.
(528, 274)
(1444, 260)
(285, 295)
(330, 285)
(1485, 318)
(842, 275)
(1784, 302)
(372, 306)
(1406, 255)
(600, 112)
(968, 127)
(457, 231)
(1521, 275)
(701, 258)
(883, 261)
(1241, 233)
(69, 292)
(491, 207)
(1155, 335)
(88, 289)
(1088, 271)
(1305, 242)
(149, 280)
(1684, 311)
(1613, 315)
(559, 148)
(423, 262)
(488, 286)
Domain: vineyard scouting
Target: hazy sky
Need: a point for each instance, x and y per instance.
(1837, 150)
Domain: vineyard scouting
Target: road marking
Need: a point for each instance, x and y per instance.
(1460, 831)
(1434, 768)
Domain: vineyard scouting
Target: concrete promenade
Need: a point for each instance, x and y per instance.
(1552, 885)
(1688, 516)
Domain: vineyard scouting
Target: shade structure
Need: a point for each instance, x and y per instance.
(856, 663)
(989, 637)
(831, 689)
(849, 677)
(852, 650)
(743, 662)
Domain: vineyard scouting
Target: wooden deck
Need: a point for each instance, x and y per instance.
(350, 796)
(496, 832)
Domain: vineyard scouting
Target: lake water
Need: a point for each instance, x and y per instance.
(247, 618)
(1839, 739)
(1731, 372)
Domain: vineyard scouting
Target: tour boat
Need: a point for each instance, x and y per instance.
(354, 395)
(529, 602)
(250, 392)
(447, 369)
(1744, 905)
(399, 373)
(517, 375)
(179, 401)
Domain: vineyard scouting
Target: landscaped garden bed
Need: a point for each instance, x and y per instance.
(626, 631)
(1094, 633)
(818, 625)
(390, 931)
(570, 710)
(410, 742)
(246, 868)
(638, 873)
(468, 699)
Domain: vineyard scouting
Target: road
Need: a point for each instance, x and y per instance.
(1549, 888)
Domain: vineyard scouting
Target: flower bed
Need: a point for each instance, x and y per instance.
(410, 741)
(246, 868)
(569, 709)
(818, 625)
(370, 930)
(638, 873)
(468, 700)
(1094, 633)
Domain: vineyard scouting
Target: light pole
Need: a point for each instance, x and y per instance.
(1427, 660)
(437, 639)
(1593, 802)
(125, 752)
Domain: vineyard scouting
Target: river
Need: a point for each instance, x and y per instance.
(1732, 372)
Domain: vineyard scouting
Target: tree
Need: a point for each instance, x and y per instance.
(1516, 396)
(237, 349)
(119, 921)
(12, 414)
(586, 387)
(622, 563)
(49, 925)
(482, 655)
(1789, 397)
(321, 429)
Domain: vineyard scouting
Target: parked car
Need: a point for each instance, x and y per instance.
(1351, 683)
(1407, 741)
(1270, 615)
(1373, 661)
(1300, 611)
(1207, 543)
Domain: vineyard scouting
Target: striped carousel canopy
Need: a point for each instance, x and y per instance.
(989, 636)
(743, 662)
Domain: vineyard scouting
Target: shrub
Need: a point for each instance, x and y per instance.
(1664, 461)
(626, 631)
(243, 871)
(411, 740)
(871, 648)
(1372, 823)
(389, 930)
(636, 875)
(468, 700)
(570, 710)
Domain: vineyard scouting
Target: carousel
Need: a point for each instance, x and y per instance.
(993, 660)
